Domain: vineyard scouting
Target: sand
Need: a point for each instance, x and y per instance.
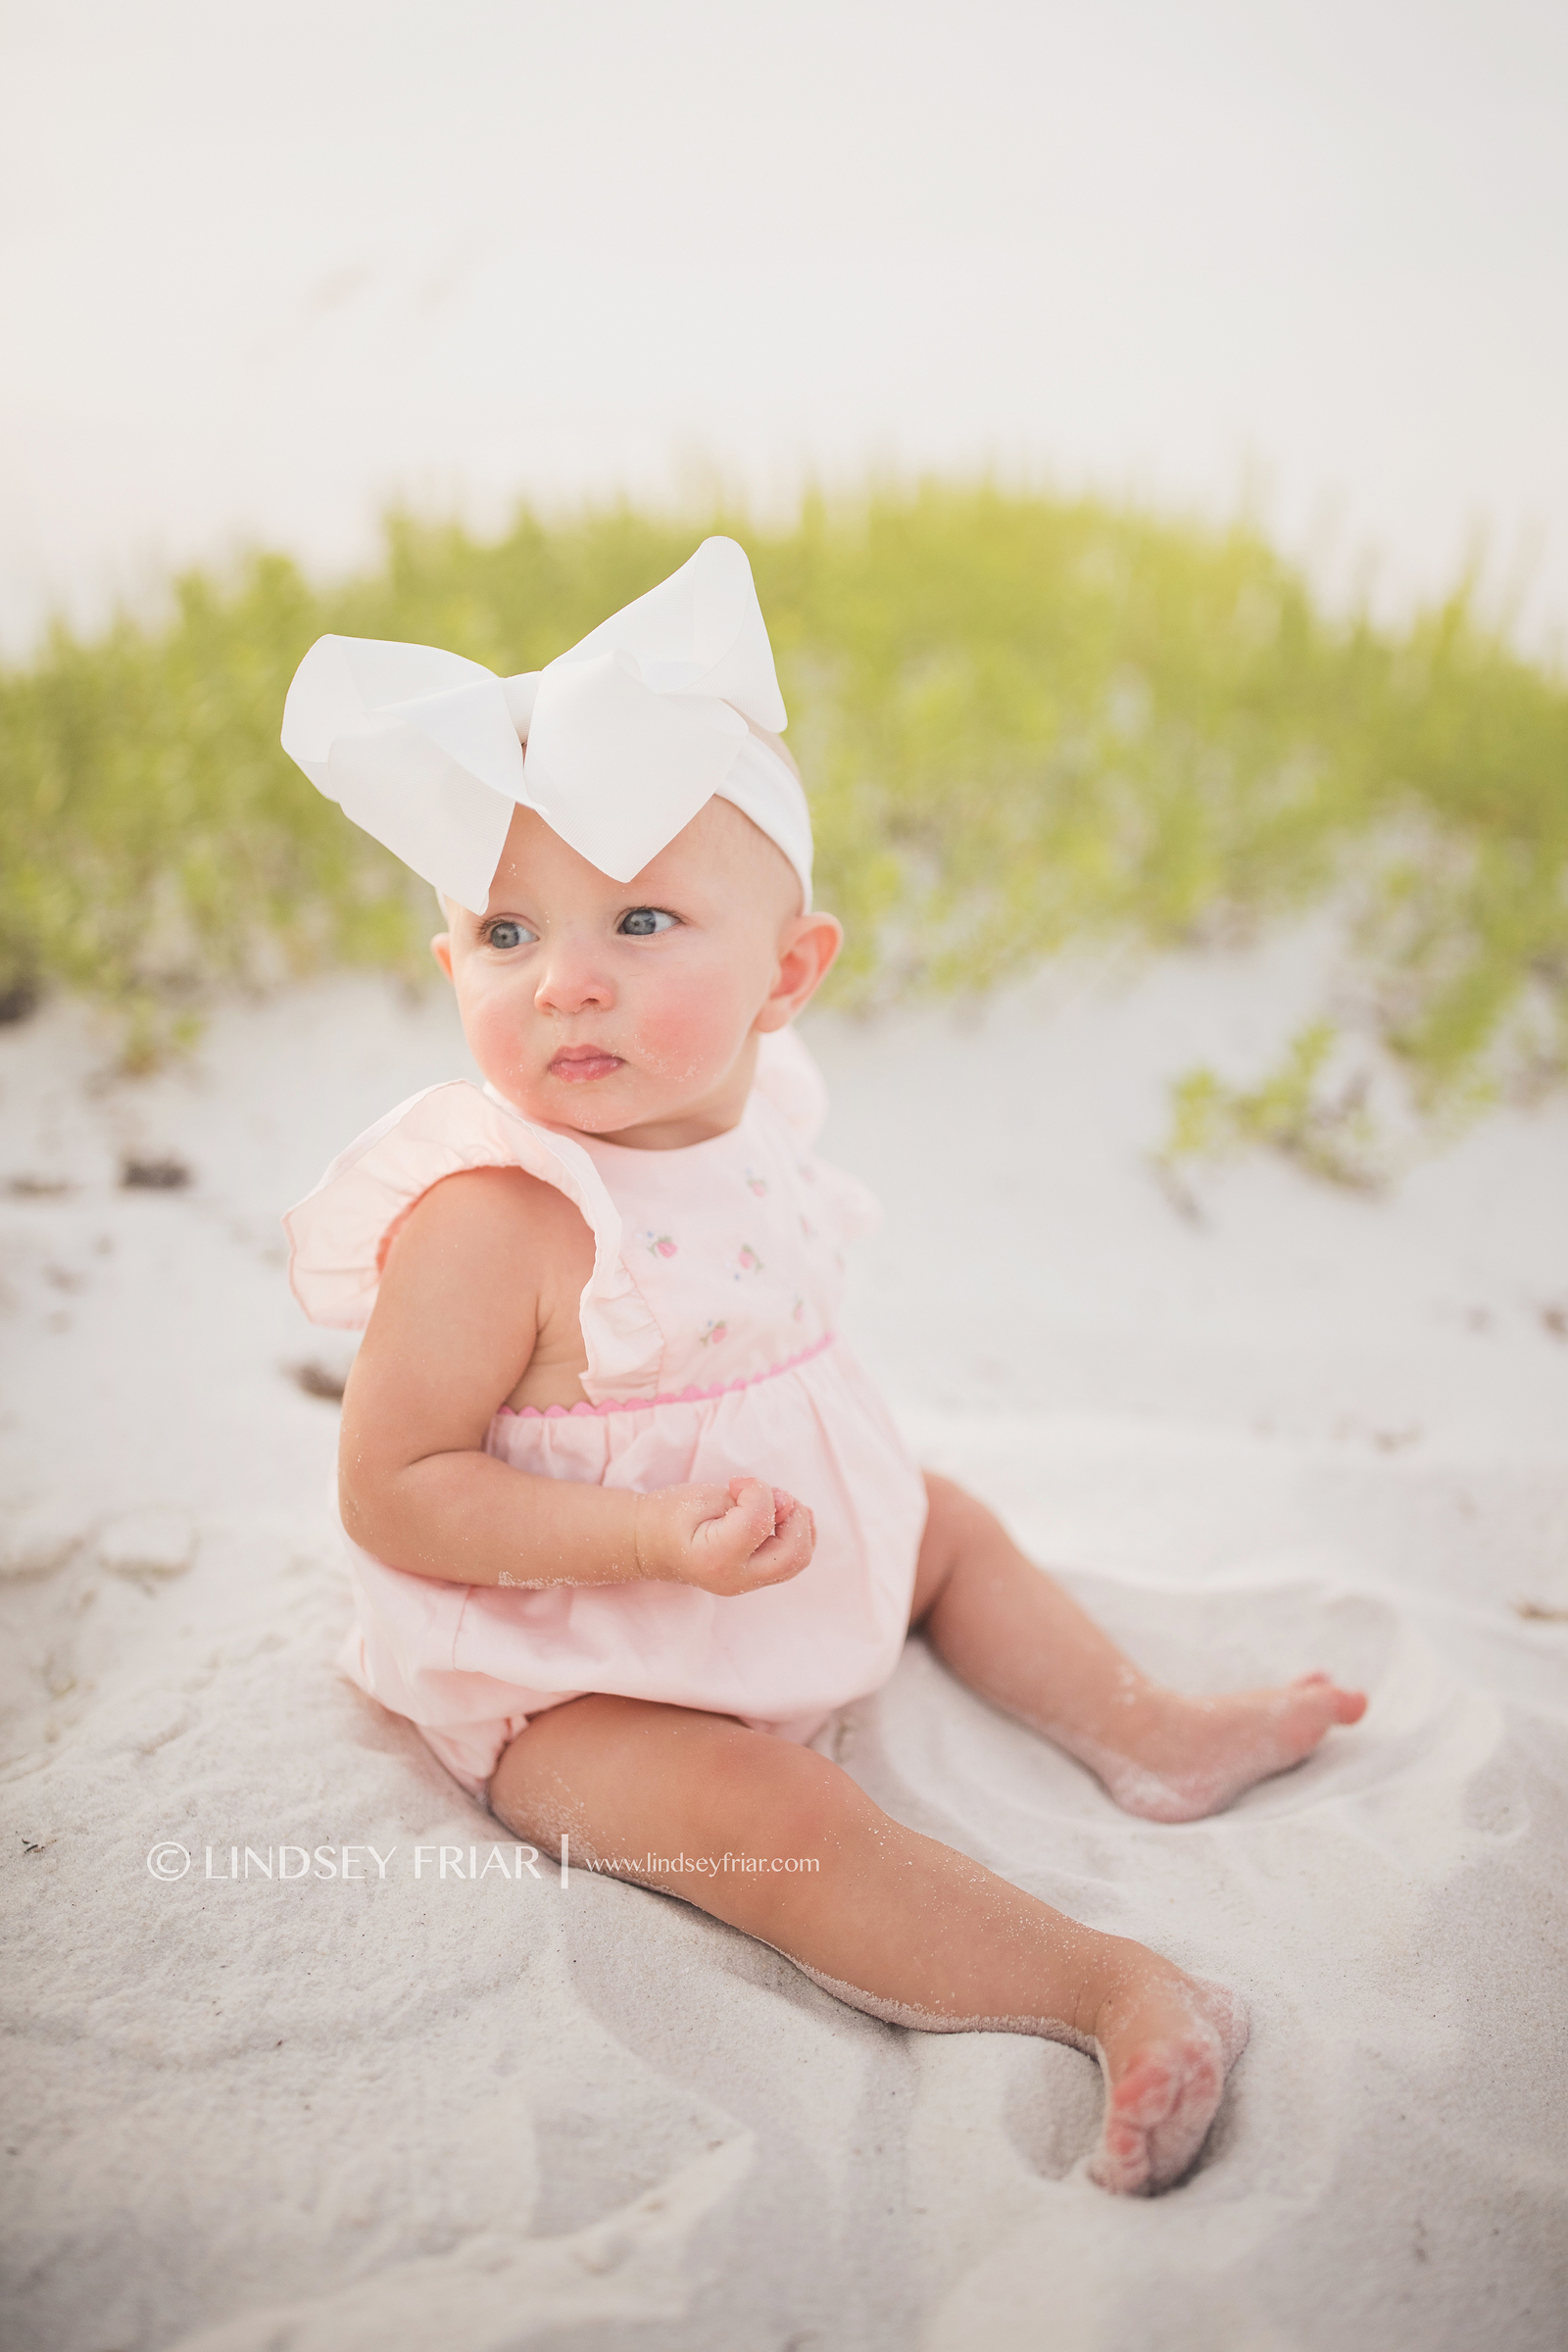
(1300, 1428)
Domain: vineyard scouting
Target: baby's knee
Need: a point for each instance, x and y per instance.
(956, 1527)
(954, 1516)
(786, 1806)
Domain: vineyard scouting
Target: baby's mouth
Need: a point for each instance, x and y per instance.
(575, 1062)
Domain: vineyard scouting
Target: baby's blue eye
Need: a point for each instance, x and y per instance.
(507, 935)
(643, 921)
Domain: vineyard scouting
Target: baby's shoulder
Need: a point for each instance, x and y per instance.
(461, 1169)
(496, 1228)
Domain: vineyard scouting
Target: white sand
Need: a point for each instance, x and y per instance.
(1314, 1430)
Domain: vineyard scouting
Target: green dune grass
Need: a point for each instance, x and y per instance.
(1024, 723)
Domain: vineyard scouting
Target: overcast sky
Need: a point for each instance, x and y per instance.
(266, 266)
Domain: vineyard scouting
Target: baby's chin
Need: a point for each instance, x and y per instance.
(583, 1107)
(590, 1105)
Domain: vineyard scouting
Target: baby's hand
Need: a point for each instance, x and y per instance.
(726, 1540)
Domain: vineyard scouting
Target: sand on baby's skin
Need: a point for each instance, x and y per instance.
(465, 2112)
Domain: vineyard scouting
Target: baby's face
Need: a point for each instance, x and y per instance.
(632, 1009)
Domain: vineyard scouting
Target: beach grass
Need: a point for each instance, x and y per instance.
(1025, 721)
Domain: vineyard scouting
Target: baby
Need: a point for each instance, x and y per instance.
(626, 1521)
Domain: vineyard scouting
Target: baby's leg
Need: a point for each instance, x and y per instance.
(1010, 1632)
(888, 1921)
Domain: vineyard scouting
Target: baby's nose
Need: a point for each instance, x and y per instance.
(573, 981)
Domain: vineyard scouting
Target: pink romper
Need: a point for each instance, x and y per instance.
(709, 1324)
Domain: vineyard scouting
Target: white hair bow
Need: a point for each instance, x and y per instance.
(627, 735)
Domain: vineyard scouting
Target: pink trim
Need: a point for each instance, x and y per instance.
(638, 1404)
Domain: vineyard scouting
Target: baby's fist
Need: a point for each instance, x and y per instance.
(725, 1539)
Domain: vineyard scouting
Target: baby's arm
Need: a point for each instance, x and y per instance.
(486, 1262)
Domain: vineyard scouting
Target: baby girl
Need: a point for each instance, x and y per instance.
(627, 1523)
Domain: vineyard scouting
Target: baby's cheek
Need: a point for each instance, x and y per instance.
(494, 1034)
(697, 1034)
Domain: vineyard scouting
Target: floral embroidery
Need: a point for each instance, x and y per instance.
(712, 1334)
(800, 1310)
(749, 1262)
(754, 1183)
(658, 1244)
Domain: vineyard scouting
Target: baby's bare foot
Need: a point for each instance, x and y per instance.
(1193, 1756)
(1166, 2043)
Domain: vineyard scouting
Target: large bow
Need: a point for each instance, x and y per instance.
(627, 735)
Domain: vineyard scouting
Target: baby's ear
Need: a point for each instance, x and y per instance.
(441, 949)
(811, 942)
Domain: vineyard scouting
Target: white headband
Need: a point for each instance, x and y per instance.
(627, 735)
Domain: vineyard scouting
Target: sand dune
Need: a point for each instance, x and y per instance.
(471, 2112)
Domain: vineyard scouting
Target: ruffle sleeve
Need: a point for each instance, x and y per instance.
(340, 1234)
(789, 1079)
(852, 1209)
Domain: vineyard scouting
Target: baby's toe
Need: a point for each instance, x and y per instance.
(1341, 1707)
(1175, 2141)
(1313, 1706)
(1136, 2106)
